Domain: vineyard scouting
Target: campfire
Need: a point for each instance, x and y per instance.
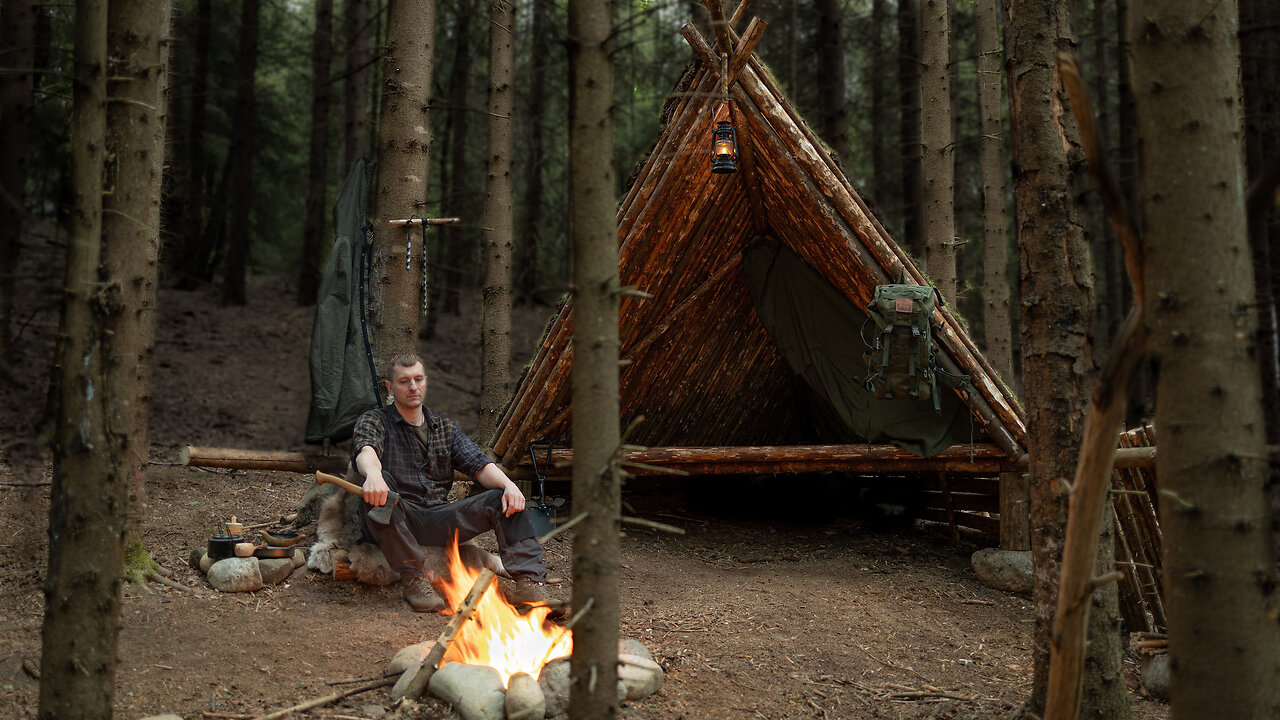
(496, 634)
(494, 662)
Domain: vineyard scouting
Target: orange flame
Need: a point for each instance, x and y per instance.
(497, 635)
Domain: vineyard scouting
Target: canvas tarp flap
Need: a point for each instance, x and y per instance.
(342, 385)
(818, 331)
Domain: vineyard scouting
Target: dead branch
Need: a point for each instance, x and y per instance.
(422, 674)
(561, 528)
(288, 712)
(1108, 188)
(1098, 443)
(653, 524)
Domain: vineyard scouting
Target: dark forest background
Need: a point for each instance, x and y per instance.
(297, 82)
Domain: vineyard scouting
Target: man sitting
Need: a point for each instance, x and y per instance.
(409, 449)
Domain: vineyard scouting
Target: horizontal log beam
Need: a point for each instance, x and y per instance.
(1142, 458)
(237, 459)
(765, 460)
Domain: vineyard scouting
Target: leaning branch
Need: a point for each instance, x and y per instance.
(1108, 188)
(1094, 466)
(417, 683)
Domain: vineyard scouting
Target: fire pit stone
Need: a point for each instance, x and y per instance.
(410, 657)
(235, 574)
(525, 700)
(475, 691)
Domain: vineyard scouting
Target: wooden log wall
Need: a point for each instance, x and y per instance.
(1135, 505)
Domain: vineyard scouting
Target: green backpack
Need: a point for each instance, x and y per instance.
(901, 358)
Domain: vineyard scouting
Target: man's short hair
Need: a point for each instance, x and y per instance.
(407, 360)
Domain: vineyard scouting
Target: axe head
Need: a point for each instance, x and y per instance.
(382, 513)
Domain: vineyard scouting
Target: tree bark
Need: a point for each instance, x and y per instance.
(495, 328)
(995, 225)
(1260, 71)
(1219, 570)
(456, 240)
(938, 162)
(530, 235)
(89, 497)
(909, 99)
(401, 188)
(880, 138)
(18, 44)
(833, 113)
(191, 263)
(1057, 302)
(313, 231)
(596, 485)
(137, 35)
(240, 160)
(355, 84)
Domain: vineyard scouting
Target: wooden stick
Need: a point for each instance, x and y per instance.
(424, 221)
(562, 528)
(654, 524)
(428, 666)
(1098, 442)
(321, 700)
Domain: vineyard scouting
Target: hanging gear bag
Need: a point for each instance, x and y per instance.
(901, 361)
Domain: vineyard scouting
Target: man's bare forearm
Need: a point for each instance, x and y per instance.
(368, 463)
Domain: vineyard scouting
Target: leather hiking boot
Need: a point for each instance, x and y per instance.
(533, 594)
(420, 595)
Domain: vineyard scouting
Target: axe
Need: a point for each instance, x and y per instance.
(380, 514)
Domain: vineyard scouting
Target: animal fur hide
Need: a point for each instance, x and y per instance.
(338, 529)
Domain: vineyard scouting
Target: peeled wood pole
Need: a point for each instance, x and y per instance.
(422, 674)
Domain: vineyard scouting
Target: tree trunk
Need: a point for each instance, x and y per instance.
(495, 328)
(1057, 313)
(540, 36)
(1220, 575)
(137, 34)
(401, 189)
(313, 232)
(1260, 72)
(793, 47)
(596, 485)
(880, 175)
(995, 225)
(89, 497)
(355, 84)
(1112, 308)
(459, 198)
(240, 161)
(938, 160)
(833, 113)
(909, 99)
(18, 45)
(193, 264)
(190, 260)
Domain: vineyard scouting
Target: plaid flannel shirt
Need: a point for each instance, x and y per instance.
(423, 477)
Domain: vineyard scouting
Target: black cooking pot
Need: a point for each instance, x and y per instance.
(222, 546)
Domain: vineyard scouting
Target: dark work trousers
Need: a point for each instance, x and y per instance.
(413, 525)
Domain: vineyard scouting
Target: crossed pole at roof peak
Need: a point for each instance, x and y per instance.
(726, 39)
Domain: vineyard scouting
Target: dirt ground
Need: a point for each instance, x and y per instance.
(767, 609)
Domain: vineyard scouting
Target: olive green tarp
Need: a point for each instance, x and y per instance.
(819, 333)
(342, 376)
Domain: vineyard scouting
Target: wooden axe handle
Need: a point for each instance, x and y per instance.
(324, 477)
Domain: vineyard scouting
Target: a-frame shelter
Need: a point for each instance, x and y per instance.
(704, 385)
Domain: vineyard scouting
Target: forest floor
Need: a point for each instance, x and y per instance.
(787, 605)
